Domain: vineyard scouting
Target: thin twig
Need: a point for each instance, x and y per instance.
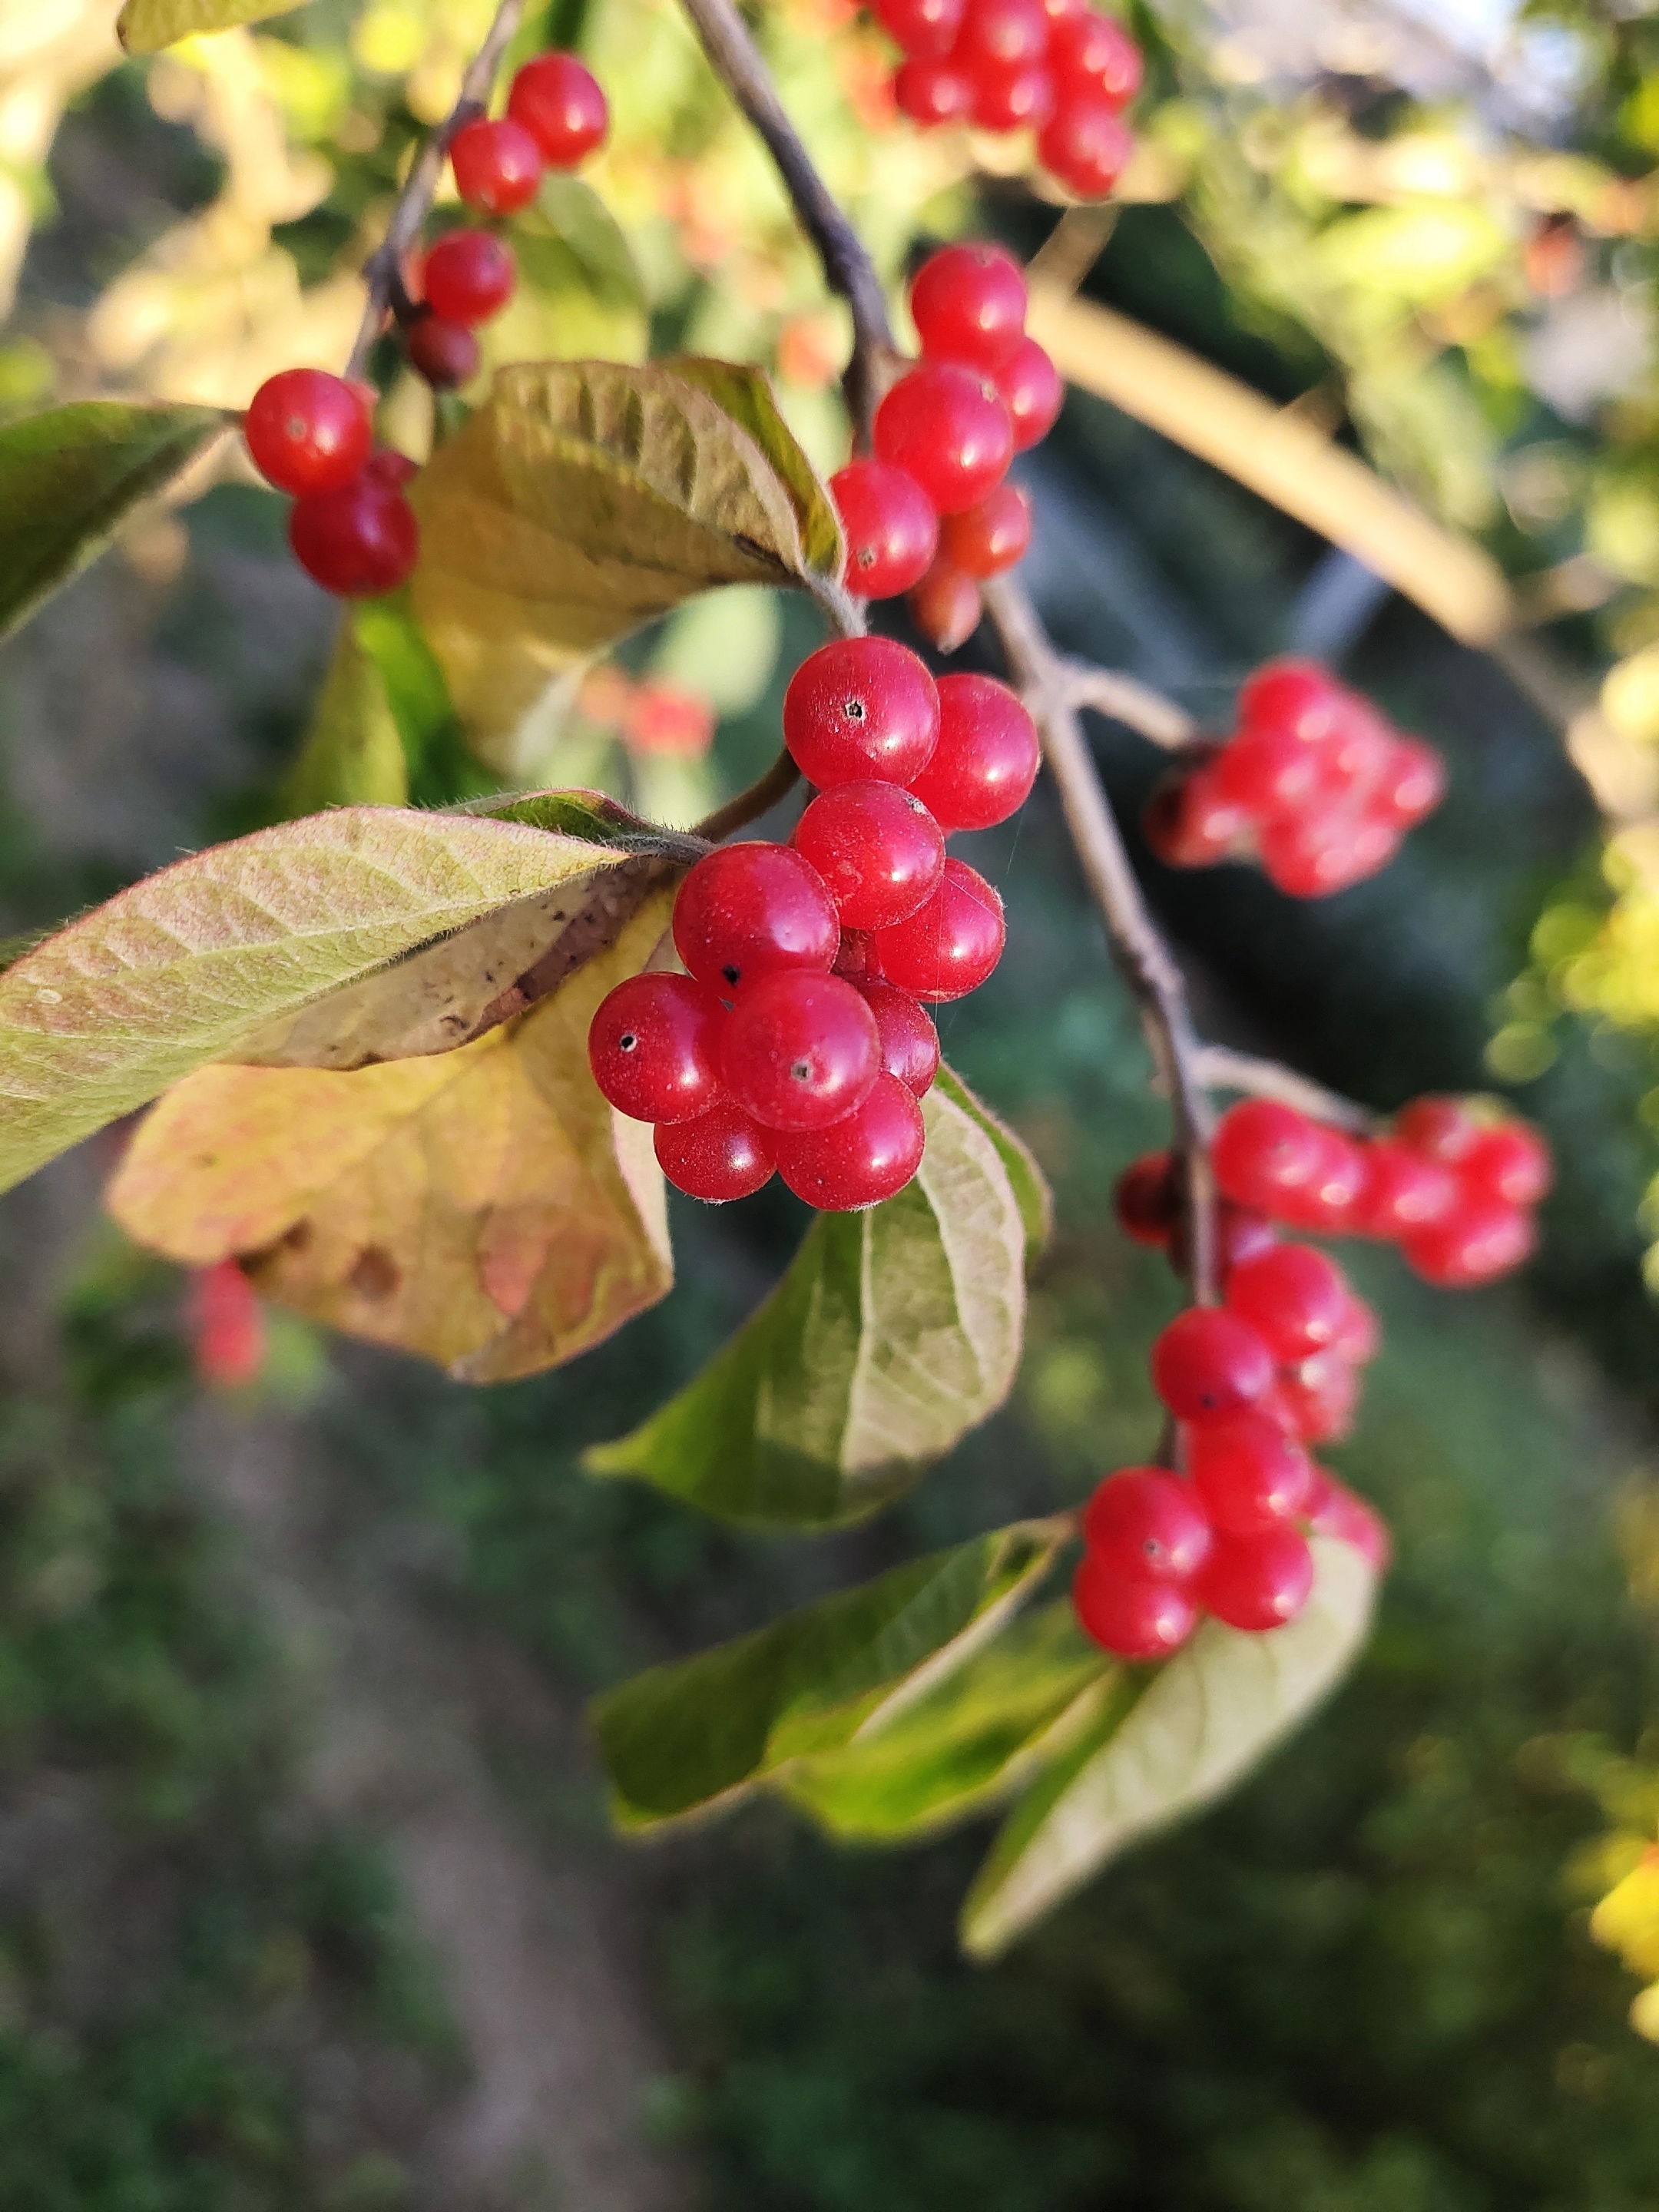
(1221, 1068)
(383, 270)
(762, 796)
(1125, 699)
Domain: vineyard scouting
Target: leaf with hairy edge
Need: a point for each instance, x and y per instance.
(1030, 1185)
(146, 26)
(745, 394)
(678, 1738)
(484, 1208)
(971, 1742)
(593, 814)
(69, 479)
(198, 963)
(894, 1332)
(353, 755)
(1201, 1721)
(581, 500)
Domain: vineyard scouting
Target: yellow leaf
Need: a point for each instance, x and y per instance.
(146, 26)
(1627, 1918)
(484, 1208)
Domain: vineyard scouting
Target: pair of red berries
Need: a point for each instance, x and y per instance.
(1314, 783)
(932, 514)
(798, 1039)
(1058, 67)
(311, 434)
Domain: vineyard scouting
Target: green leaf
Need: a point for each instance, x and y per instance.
(353, 755)
(1199, 1724)
(592, 814)
(146, 26)
(585, 238)
(69, 479)
(679, 1737)
(1030, 1185)
(894, 1332)
(367, 934)
(969, 1743)
(745, 395)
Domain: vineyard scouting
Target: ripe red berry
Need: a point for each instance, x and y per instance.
(801, 1050)
(1412, 782)
(969, 305)
(986, 539)
(469, 276)
(1267, 770)
(890, 526)
(1478, 1240)
(1248, 1473)
(860, 708)
(1360, 1337)
(1031, 392)
(1294, 695)
(879, 851)
(307, 431)
(1330, 1200)
(1264, 1151)
(390, 468)
(1333, 1510)
(869, 1154)
(909, 1042)
(1144, 1521)
(1084, 145)
(1208, 1363)
(1293, 1297)
(925, 28)
(1090, 48)
(750, 911)
(1442, 1129)
(358, 542)
(1190, 823)
(498, 166)
(999, 32)
(1403, 1191)
(1131, 1617)
(1317, 854)
(946, 426)
(987, 757)
(952, 941)
(1510, 1163)
(445, 354)
(1239, 1236)
(1146, 1200)
(724, 1154)
(1318, 1398)
(227, 1327)
(932, 93)
(562, 104)
(1020, 97)
(946, 606)
(654, 1048)
(1257, 1583)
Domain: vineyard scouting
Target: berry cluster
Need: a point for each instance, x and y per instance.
(799, 1038)
(932, 514)
(351, 529)
(1058, 67)
(1314, 783)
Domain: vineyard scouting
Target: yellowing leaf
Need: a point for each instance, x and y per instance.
(483, 1208)
(145, 26)
(742, 392)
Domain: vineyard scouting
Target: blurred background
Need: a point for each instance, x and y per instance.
(306, 1895)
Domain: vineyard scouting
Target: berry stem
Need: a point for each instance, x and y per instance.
(779, 781)
(1125, 699)
(1221, 1068)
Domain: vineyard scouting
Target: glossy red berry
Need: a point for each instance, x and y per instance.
(867, 1156)
(445, 354)
(909, 1042)
(1411, 785)
(469, 276)
(986, 540)
(1268, 771)
(1146, 1200)
(1478, 1240)
(1317, 854)
(1208, 1363)
(750, 910)
(968, 304)
(1019, 97)
(1131, 1617)
(1295, 695)
(1264, 1151)
(1031, 392)
(1190, 822)
(862, 707)
(987, 757)
(307, 431)
(392, 468)
(946, 426)
(359, 541)
(498, 165)
(1239, 1236)
(1328, 1202)
(924, 28)
(1248, 1473)
(724, 1154)
(1333, 1510)
(996, 33)
(1442, 1129)
(1257, 1583)
(1510, 1163)
(946, 606)
(654, 1048)
(879, 851)
(801, 1050)
(1088, 48)
(952, 941)
(932, 93)
(1318, 1397)
(562, 104)
(1084, 145)
(889, 526)
(1360, 1337)
(1293, 1297)
(1145, 1521)
(1403, 1191)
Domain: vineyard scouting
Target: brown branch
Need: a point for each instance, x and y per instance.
(779, 781)
(1221, 1068)
(1124, 699)
(383, 270)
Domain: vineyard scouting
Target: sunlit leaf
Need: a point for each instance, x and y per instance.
(353, 755)
(1030, 1185)
(894, 1332)
(679, 1737)
(744, 393)
(146, 26)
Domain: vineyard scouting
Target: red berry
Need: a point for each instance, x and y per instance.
(1146, 1200)
(1143, 1522)
(1403, 1191)
(560, 103)
(1294, 695)
(879, 851)
(1442, 1129)
(469, 276)
(1264, 1151)
(1510, 1163)
(932, 93)
(987, 757)
(1294, 1298)
(890, 529)
(1318, 1397)
(1189, 821)
(952, 941)
(1256, 1583)
(390, 468)
(969, 305)
(358, 542)
(946, 426)
(1020, 97)
(861, 708)
(1477, 1240)
(856, 957)
(1208, 1362)
(1084, 145)
(1248, 1473)
(750, 911)
(999, 32)
(1239, 1236)
(926, 28)
(498, 166)
(869, 1154)
(984, 540)
(1333, 1510)
(1132, 1618)
(1267, 771)
(1316, 855)
(654, 1048)
(801, 1050)
(307, 431)
(1031, 392)
(1360, 1337)
(1090, 48)
(227, 1327)
(445, 354)
(724, 1154)
(1332, 1196)
(1412, 782)
(909, 1042)
(946, 606)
